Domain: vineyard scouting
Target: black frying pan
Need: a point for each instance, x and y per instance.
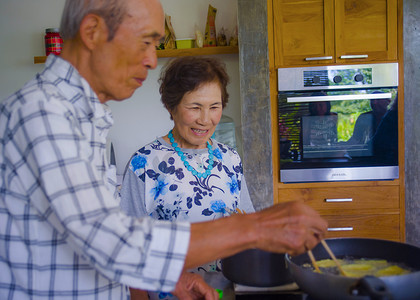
(327, 286)
(256, 268)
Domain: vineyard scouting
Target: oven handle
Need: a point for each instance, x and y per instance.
(339, 97)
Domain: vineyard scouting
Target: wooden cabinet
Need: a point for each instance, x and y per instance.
(366, 28)
(299, 31)
(353, 211)
(344, 200)
(378, 226)
(303, 30)
(313, 32)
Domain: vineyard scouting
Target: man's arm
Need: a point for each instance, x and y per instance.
(291, 227)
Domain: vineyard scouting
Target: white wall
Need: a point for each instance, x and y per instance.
(141, 118)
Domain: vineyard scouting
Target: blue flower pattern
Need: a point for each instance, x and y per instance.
(138, 162)
(217, 154)
(161, 187)
(233, 185)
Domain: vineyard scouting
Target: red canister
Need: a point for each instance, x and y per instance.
(53, 41)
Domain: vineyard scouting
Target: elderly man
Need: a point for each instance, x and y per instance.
(62, 234)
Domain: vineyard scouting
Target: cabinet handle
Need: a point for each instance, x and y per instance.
(340, 229)
(319, 58)
(339, 200)
(354, 56)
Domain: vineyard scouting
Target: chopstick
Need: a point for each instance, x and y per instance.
(312, 257)
(240, 211)
(328, 249)
(324, 243)
(236, 211)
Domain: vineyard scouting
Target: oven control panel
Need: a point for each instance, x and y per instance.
(324, 78)
(338, 77)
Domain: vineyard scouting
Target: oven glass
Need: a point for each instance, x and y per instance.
(338, 128)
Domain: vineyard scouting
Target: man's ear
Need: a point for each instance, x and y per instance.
(93, 30)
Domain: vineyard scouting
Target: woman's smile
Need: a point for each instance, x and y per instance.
(199, 131)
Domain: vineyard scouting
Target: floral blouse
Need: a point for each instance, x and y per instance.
(157, 184)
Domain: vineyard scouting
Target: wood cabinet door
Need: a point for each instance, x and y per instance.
(386, 226)
(365, 211)
(303, 32)
(346, 200)
(365, 30)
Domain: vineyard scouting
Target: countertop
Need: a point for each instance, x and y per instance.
(287, 292)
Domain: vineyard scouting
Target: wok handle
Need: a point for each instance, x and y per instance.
(373, 287)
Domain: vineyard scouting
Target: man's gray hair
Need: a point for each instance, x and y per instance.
(113, 12)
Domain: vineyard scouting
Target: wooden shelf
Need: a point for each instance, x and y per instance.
(177, 52)
(197, 51)
(39, 59)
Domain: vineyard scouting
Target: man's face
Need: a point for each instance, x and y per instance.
(119, 67)
(321, 108)
(379, 106)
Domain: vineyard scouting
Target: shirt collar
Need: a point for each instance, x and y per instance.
(77, 90)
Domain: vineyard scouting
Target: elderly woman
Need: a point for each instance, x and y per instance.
(186, 174)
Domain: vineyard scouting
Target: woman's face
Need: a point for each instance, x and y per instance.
(197, 115)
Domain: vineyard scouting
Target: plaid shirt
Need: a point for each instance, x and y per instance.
(62, 234)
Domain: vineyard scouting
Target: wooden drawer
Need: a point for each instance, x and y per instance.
(364, 200)
(372, 226)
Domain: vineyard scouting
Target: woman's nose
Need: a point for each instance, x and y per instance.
(204, 116)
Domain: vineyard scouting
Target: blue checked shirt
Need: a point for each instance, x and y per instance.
(62, 234)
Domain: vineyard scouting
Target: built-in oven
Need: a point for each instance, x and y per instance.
(338, 123)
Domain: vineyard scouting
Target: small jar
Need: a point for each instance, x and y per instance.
(53, 41)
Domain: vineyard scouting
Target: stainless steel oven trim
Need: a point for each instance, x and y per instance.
(383, 75)
(339, 174)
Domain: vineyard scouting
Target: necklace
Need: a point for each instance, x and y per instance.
(184, 158)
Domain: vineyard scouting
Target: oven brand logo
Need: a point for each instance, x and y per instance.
(339, 174)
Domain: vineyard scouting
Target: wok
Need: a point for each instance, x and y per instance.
(256, 268)
(328, 286)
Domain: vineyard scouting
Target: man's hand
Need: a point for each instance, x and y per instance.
(192, 287)
(290, 227)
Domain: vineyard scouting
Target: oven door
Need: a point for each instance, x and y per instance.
(338, 135)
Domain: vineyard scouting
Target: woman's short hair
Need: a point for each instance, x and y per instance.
(186, 74)
(113, 12)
